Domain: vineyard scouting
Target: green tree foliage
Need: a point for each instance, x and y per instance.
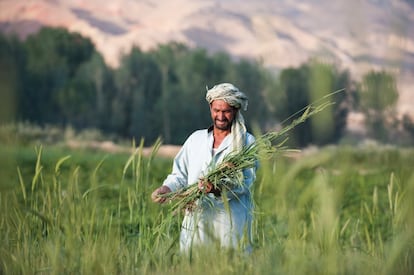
(195, 71)
(139, 84)
(58, 77)
(167, 57)
(310, 83)
(54, 57)
(294, 87)
(251, 79)
(378, 96)
(96, 75)
(89, 94)
(328, 125)
(408, 124)
(12, 60)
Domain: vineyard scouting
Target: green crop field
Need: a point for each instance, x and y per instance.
(337, 210)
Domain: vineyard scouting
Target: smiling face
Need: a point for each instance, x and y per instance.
(222, 114)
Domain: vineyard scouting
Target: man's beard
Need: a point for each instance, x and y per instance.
(224, 127)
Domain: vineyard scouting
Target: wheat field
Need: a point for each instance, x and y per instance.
(337, 210)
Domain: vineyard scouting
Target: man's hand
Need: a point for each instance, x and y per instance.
(205, 186)
(156, 195)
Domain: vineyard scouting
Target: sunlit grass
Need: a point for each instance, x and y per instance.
(340, 210)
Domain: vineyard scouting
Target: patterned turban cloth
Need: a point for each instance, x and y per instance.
(231, 94)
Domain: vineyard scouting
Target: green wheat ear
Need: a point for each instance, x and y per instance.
(38, 167)
(59, 163)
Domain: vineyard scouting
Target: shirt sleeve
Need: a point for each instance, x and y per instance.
(179, 175)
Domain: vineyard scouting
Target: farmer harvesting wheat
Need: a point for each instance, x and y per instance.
(224, 212)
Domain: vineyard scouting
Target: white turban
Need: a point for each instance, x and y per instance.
(231, 94)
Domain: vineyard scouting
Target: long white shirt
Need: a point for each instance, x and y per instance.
(225, 222)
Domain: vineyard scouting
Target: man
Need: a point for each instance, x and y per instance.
(227, 222)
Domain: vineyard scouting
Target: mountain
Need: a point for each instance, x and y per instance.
(356, 35)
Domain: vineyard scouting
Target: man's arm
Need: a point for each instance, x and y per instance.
(175, 180)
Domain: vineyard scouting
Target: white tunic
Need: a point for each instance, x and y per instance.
(229, 223)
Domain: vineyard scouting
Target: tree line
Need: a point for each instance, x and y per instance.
(58, 77)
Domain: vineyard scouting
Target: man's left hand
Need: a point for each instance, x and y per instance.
(205, 186)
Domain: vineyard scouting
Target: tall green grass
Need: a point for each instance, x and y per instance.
(340, 210)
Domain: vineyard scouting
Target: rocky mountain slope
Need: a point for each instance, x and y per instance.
(356, 35)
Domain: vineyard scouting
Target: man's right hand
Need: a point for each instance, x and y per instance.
(155, 196)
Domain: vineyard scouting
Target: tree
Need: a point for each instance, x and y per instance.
(250, 78)
(378, 95)
(167, 57)
(294, 86)
(325, 79)
(139, 84)
(54, 56)
(12, 68)
(308, 84)
(96, 81)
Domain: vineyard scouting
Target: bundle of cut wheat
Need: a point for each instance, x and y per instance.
(228, 174)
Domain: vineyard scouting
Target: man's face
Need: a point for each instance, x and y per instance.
(222, 114)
